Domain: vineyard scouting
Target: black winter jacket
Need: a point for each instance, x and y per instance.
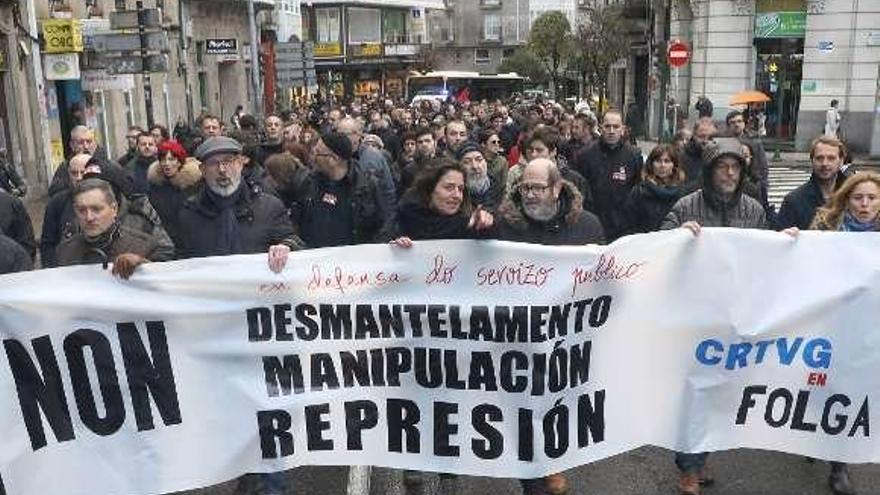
(649, 204)
(370, 221)
(15, 222)
(572, 225)
(262, 222)
(13, 257)
(168, 195)
(800, 205)
(611, 172)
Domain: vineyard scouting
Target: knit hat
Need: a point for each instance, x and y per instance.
(467, 147)
(338, 144)
(723, 146)
(216, 145)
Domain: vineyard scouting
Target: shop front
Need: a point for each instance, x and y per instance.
(779, 46)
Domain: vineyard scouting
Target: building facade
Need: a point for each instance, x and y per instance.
(801, 53)
(52, 77)
(477, 35)
(366, 48)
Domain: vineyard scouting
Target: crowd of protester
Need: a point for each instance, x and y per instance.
(378, 172)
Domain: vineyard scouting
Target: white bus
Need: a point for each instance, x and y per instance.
(462, 86)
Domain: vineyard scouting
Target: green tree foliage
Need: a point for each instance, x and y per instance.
(524, 63)
(600, 41)
(550, 41)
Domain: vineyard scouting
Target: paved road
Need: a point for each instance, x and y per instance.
(646, 471)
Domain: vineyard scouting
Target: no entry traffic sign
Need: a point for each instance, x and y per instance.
(678, 53)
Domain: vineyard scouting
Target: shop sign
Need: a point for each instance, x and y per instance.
(367, 50)
(809, 86)
(61, 66)
(221, 46)
(781, 25)
(401, 50)
(826, 46)
(328, 49)
(62, 35)
(101, 80)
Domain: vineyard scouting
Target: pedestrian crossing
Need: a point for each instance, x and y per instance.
(782, 180)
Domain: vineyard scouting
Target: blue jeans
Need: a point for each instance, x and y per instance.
(262, 484)
(691, 463)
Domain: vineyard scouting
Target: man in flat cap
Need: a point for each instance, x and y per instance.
(338, 203)
(228, 217)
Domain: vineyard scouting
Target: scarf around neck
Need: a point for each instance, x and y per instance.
(852, 224)
(228, 237)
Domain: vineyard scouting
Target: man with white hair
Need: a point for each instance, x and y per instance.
(544, 208)
(370, 160)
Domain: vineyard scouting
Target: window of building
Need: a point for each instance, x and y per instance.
(507, 53)
(492, 27)
(327, 25)
(482, 56)
(394, 26)
(200, 53)
(203, 90)
(367, 25)
(458, 58)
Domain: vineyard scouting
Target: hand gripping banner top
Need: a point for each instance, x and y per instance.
(482, 358)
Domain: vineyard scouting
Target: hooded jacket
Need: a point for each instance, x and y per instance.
(168, 195)
(572, 225)
(611, 171)
(707, 208)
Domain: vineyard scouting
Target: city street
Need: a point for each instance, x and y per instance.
(646, 471)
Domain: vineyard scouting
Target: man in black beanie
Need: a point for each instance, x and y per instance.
(339, 204)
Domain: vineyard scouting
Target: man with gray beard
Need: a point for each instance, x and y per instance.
(484, 190)
(228, 217)
(547, 209)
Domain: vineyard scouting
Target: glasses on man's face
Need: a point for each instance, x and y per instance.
(222, 162)
(494, 141)
(533, 188)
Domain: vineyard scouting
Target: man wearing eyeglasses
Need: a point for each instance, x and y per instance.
(228, 217)
(544, 208)
(611, 168)
(82, 140)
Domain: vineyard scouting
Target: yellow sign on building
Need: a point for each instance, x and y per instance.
(328, 49)
(62, 35)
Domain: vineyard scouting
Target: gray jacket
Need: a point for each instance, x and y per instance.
(743, 213)
(372, 161)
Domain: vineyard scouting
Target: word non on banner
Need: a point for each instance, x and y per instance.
(468, 357)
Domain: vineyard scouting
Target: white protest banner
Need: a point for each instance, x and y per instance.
(462, 357)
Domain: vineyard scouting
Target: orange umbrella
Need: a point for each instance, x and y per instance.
(746, 97)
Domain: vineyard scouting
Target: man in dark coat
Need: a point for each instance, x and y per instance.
(721, 201)
(547, 209)
(15, 222)
(800, 205)
(611, 168)
(138, 168)
(692, 156)
(229, 217)
(483, 188)
(338, 203)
